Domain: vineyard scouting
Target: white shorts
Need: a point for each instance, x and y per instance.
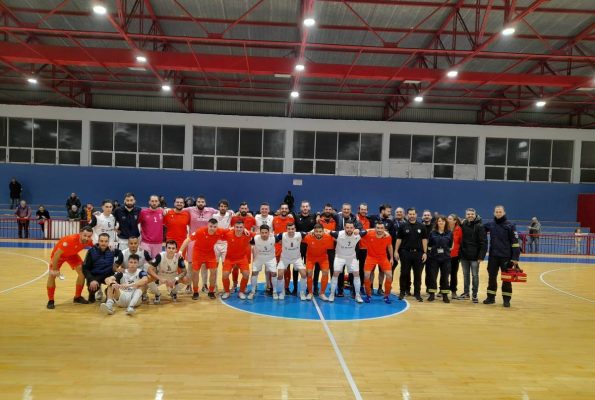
(220, 250)
(126, 298)
(285, 263)
(351, 263)
(270, 265)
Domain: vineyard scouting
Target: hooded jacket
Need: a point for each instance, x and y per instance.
(474, 242)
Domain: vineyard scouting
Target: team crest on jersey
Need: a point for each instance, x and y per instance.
(406, 230)
(419, 231)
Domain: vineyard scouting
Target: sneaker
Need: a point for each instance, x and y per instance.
(80, 300)
(189, 289)
(50, 305)
(269, 291)
(358, 298)
(432, 296)
(401, 295)
(309, 296)
(294, 292)
(445, 299)
(387, 300)
(195, 296)
(323, 297)
(418, 298)
(174, 297)
(454, 296)
(475, 300)
(225, 296)
(302, 296)
(316, 293)
(157, 299)
(242, 295)
(145, 298)
(287, 292)
(464, 296)
(251, 295)
(281, 296)
(104, 308)
(130, 311)
(367, 299)
(409, 293)
(275, 296)
(353, 294)
(212, 295)
(99, 295)
(489, 301)
(340, 294)
(380, 292)
(204, 289)
(506, 303)
(331, 297)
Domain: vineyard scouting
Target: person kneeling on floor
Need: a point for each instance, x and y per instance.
(124, 288)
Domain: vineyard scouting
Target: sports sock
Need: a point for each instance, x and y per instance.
(287, 278)
(387, 286)
(357, 284)
(51, 291)
(281, 284)
(367, 285)
(226, 284)
(254, 282)
(334, 280)
(324, 284)
(78, 291)
(309, 284)
(243, 284)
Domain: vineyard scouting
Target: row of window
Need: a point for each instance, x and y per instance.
(45, 141)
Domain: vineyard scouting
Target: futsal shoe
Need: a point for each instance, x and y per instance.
(225, 296)
(242, 295)
(251, 296)
(99, 295)
(367, 299)
(380, 292)
(104, 308)
(144, 298)
(358, 298)
(174, 297)
(294, 292)
(489, 300)
(130, 311)
(316, 292)
(195, 296)
(323, 297)
(475, 300)
(445, 298)
(157, 299)
(387, 300)
(340, 294)
(309, 296)
(81, 300)
(50, 305)
(432, 297)
(189, 289)
(454, 296)
(275, 296)
(287, 292)
(464, 296)
(212, 295)
(303, 296)
(401, 295)
(269, 292)
(353, 294)
(281, 296)
(205, 289)
(418, 298)
(331, 297)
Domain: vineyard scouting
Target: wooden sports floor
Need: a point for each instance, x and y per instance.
(541, 348)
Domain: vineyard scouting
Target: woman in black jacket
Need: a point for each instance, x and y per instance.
(472, 252)
(439, 246)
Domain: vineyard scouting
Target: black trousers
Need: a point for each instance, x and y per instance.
(23, 228)
(496, 264)
(454, 271)
(411, 261)
(432, 267)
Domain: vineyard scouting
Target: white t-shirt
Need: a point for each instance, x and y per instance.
(290, 246)
(346, 245)
(264, 250)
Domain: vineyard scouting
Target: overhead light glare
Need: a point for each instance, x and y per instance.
(32, 80)
(99, 9)
(300, 67)
(418, 99)
(141, 59)
(508, 31)
(295, 94)
(452, 74)
(541, 103)
(309, 22)
(165, 87)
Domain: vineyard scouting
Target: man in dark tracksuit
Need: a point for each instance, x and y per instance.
(304, 222)
(411, 249)
(384, 216)
(504, 247)
(99, 264)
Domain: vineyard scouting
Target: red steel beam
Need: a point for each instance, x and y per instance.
(241, 18)
(310, 46)
(212, 63)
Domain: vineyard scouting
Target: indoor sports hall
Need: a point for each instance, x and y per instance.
(344, 112)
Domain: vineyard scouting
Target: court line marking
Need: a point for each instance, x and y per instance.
(32, 280)
(560, 290)
(354, 389)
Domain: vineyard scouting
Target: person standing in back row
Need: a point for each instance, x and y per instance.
(534, 232)
(472, 251)
(454, 226)
(16, 189)
(411, 249)
(504, 247)
(439, 244)
(23, 213)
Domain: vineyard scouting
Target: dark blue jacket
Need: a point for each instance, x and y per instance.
(340, 220)
(100, 263)
(439, 245)
(504, 240)
(128, 221)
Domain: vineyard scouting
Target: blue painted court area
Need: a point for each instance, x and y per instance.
(343, 308)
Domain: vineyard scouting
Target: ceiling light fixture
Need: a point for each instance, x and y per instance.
(452, 74)
(141, 59)
(508, 31)
(541, 103)
(300, 67)
(99, 9)
(295, 94)
(309, 22)
(32, 80)
(418, 99)
(165, 87)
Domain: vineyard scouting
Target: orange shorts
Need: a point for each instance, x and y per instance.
(242, 263)
(197, 263)
(74, 261)
(323, 262)
(383, 264)
(278, 249)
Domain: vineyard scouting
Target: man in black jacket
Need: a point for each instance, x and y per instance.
(73, 200)
(304, 222)
(472, 252)
(15, 192)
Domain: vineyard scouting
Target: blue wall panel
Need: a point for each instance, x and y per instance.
(53, 184)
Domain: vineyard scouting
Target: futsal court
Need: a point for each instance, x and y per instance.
(540, 348)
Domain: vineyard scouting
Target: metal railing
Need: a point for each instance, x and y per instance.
(558, 243)
(23, 228)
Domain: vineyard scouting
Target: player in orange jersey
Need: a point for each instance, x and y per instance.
(238, 256)
(279, 226)
(66, 250)
(318, 244)
(250, 225)
(378, 241)
(176, 222)
(203, 254)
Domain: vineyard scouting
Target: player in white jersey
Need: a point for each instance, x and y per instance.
(263, 254)
(105, 222)
(223, 218)
(123, 289)
(290, 255)
(265, 218)
(345, 255)
(168, 268)
(133, 247)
